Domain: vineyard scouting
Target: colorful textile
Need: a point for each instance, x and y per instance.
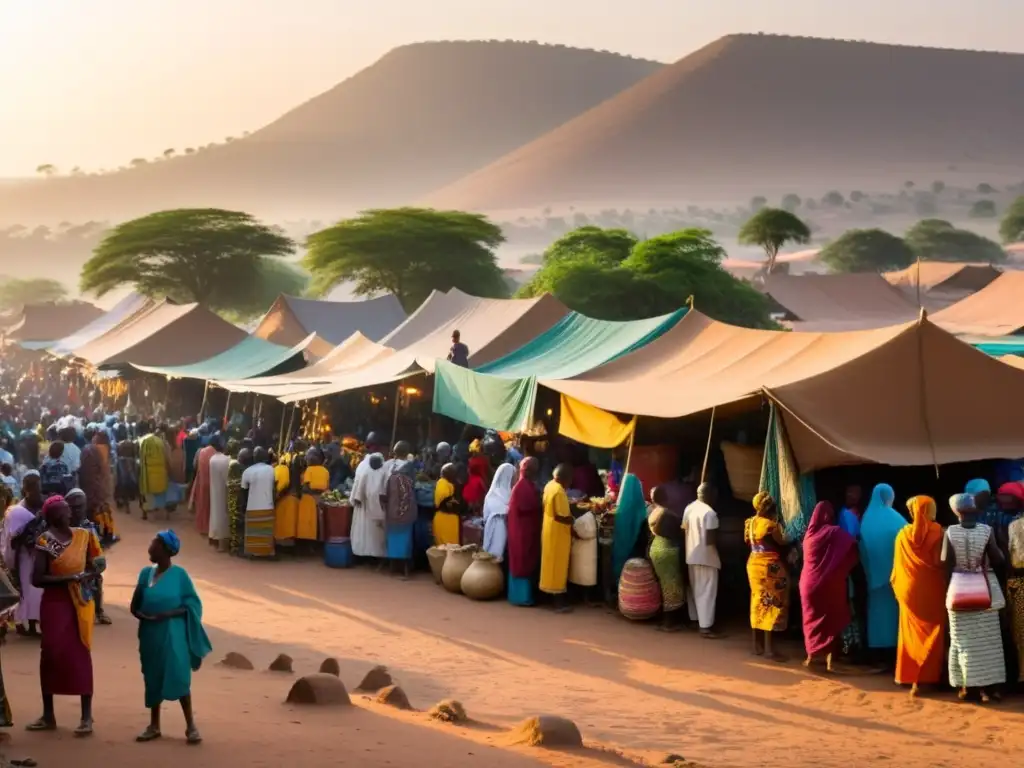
(68, 559)
(665, 558)
(170, 649)
(525, 520)
(153, 469)
(879, 527)
(236, 508)
(494, 402)
(589, 425)
(919, 584)
(447, 526)
(496, 505)
(639, 593)
(259, 533)
(556, 540)
(793, 492)
(767, 574)
(286, 508)
(315, 480)
(20, 559)
(475, 490)
(829, 555)
(201, 489)
(520, 591)
(1015, 611)
(400, 508)
(630, 513)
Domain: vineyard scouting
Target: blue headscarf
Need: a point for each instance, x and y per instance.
(629, 519)
(171, 541)
(978, 485)
(991, 515)
(878, 529)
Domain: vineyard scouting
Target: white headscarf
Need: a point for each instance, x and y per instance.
(498, 498)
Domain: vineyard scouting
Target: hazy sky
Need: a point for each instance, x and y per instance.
(95, 83)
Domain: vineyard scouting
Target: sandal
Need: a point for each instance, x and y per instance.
(192, 736)
(42, 724)
(150, 734)
(102, 618)
(84, 728)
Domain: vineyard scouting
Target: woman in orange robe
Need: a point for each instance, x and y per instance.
(919, 582)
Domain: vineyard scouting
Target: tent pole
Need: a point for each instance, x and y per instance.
(280, 430)
(707, 451)
(291, 421)
(629, 453)
(227, 411)
(394, 421)
(202, 408)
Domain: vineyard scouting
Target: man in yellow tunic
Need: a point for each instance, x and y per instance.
(556, 538)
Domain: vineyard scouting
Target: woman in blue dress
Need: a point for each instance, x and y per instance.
(172, 642)
(879, 527)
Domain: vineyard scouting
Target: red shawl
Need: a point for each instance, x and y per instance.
(524, 523)
(830, 553)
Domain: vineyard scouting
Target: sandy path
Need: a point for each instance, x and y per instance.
(628, 687)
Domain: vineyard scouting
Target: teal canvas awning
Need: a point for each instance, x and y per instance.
(252, 356)
(998, 346)
(500, 394)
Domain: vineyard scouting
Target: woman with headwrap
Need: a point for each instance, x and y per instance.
(475, 489)
(525, 517)
(829, 555)
(919, 583)
(172, 641)
(630, 513)
(65, 569)
(665, 555)
(976, 660)
(448, 508)
(879, 528)
(18, 541)
(400, 509)
(767, 574)
(96, 480)
(496, 506)
(1011, 500)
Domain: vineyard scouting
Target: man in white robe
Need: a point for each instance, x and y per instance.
(700, 529)
(369, 537)
(220, 526)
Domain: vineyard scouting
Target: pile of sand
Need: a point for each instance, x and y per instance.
(376, 679)
(546, 731)
(236, 661)
(320, 689)
(393, 696)
(449, 711)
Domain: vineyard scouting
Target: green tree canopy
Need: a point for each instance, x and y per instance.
(791, 202)
(657, 277)
(983, 209)
(275, 276)
(408, 252)
(866, 250)
(938, 240)
(1011, 229)
(772, 228)
(215, 257)
(608, 246)
(36, 290)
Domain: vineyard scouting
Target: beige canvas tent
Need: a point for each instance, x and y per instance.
(944, 276)
(165, 334)
(840, 302)
(291, 319)
(50, 321)
(904, 395)
(995, 310)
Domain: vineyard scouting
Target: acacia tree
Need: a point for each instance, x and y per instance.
(39, 290)
(408, 252)
(206, 255)
(1011, 228)
(938, 240)
(866, 250)
(772, 228)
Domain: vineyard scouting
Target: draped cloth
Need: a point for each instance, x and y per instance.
(201, 489)
(220, 524)
(21, 560)
(496, 505)
(630, 514)
(447, 525)
(369, 538)
(524, 527)
(153, 474)
(919, 584)
(879, 527)
(556, 540)
(96, 480)
(829, 555)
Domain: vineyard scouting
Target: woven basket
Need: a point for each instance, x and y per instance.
(743, 463)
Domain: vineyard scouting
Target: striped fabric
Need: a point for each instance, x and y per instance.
(259, 533)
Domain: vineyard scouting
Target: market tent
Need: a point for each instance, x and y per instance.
(1014, 360)
(944, 276)
(291, 319)
(39, 325)
(127, 307)
(500, 394)
(843, 302)
(996, 310)
(491, 328)
(252, 356)
(882, 395)
(165, 334)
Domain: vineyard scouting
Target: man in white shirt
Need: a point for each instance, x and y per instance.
(259, 481)
(700, 528)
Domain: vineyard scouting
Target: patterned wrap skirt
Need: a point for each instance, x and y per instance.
(665, 558)
(769, 592)
(259, 533)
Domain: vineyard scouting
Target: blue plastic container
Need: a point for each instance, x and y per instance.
(338, 554)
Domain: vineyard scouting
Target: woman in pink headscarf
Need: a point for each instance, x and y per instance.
(830, 553)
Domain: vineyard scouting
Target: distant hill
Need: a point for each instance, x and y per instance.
(421, 117)
(763, 114)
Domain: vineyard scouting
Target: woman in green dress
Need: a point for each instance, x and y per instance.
(172, 642)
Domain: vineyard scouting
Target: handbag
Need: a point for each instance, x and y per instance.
(969, 591)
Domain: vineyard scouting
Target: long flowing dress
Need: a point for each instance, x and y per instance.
(201, 489)
(236, 508)
(919, 583)
(879, 528)
(96, 480)
(315, 480)
(286, 508)
(369, 539)
(154, 475)
(169, 649)
(829, 555)
(20, 560)
(220, 523)
(496, 505)
(975, 638)
(1015, 589)
(665, 554)
(66, 616)
(767, 574)
(525, 518)
(400, 510)
(630, 514)
(555, 541)
(447, 521)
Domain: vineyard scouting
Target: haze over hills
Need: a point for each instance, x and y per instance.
(763, 114)
(422, 116)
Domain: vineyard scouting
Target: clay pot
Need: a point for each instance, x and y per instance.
(436, 557)
(459, 559)
(483, 580)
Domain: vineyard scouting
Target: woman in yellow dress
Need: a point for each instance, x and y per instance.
(286, 508)
(556, 538)
(768, 575)
(448, 506)
(315, 480)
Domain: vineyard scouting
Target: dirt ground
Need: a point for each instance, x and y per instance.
(635, 693)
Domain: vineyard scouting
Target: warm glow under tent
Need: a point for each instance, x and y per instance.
(166, 334)
(500, 394)
(874, 396)
(251, 356)
(291, 319)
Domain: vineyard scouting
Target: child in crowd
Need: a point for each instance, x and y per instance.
(54, 474)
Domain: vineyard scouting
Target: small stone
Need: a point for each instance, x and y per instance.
(236, 661)
(319, 689)
(394, 696)
(331, 667)
(283, 663)
(546, 731)
(376, 679)
(449, 711)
